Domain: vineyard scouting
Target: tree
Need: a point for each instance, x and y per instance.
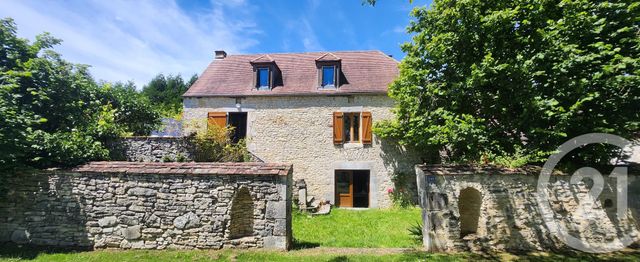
(166, 92)
(52, 112)
(485, 80)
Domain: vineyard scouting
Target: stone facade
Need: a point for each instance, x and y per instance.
(491, 209)
(152, 149)
(149, 206)
(298, 130)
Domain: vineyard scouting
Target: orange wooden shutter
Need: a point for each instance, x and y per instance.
(366, 128)
(217, 118)
(337, 127)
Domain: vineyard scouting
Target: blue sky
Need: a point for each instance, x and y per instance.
(135, 40)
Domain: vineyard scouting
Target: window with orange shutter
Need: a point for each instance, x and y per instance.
(352, 127)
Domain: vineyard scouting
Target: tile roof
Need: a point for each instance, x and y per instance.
(199, 168)
(364, 72)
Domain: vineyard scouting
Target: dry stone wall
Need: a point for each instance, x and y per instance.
(470, 208)
(152, 149)
(149, 206)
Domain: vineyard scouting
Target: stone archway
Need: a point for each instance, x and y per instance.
(241, 224)
(469, 203)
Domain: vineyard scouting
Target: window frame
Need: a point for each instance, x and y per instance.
(320, 65)
(351, 130)
(322, 77)
(258, 79)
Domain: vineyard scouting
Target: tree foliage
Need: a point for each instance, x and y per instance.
(488, 79)
(52, 112)
(166, 92)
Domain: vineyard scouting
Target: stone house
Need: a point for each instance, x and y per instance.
(314, 110)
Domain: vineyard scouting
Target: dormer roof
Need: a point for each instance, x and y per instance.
(328, 57)
(262, 59)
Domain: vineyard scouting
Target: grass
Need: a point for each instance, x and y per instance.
(344, 235)
(317, 254)
(357, 228)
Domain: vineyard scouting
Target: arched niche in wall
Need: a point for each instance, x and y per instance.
(241, 224)
(469, 203)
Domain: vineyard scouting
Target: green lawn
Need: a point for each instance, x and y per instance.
(317, 254)
(375, 235)
(357, 228)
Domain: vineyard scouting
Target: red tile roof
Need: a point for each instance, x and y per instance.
(201, 168)
(364, 71)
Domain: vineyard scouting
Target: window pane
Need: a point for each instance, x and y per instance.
(343, 180)
(328, 75)
(263, 77)
(356, 127)
(347, 127)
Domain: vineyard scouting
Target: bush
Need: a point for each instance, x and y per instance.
(214, 145)
(404, 193)
(415, 231)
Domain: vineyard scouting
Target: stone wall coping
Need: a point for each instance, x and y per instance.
(189, 168)
(451, 169)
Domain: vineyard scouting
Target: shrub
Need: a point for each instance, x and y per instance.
(415, 231)
(214, 145)
(404, 193)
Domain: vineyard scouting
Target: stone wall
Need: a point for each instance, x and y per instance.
(298, 130)
(149, 206)
(471, 208)
(152, 149)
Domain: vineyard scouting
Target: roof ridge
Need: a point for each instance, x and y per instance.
(311, 52)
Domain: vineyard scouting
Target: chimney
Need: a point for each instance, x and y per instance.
(221, 54)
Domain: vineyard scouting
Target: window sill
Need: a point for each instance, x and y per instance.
(327, 88)
(352, 145)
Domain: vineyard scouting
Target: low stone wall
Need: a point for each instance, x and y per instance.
(471, 208)
(149, 206)
(152, 149)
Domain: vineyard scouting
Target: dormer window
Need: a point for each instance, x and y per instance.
(328, 76)
(328, 71)
(266, 73)
(264, 80)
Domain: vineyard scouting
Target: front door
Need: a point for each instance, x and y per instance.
(352, 188)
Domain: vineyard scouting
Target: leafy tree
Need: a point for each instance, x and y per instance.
(135, 113)
(166, 92)
(487, 79)
(52, 112)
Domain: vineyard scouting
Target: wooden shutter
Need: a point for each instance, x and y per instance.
(217, 118)
(366, 128)
(337, 127)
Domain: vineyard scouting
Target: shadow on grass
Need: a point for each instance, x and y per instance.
(298, 245)
(417, 255)
(29, 252)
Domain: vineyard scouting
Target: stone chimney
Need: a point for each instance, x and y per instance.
(221, 54)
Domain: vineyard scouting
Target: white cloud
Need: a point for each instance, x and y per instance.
(135, 40)
(308, 36)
